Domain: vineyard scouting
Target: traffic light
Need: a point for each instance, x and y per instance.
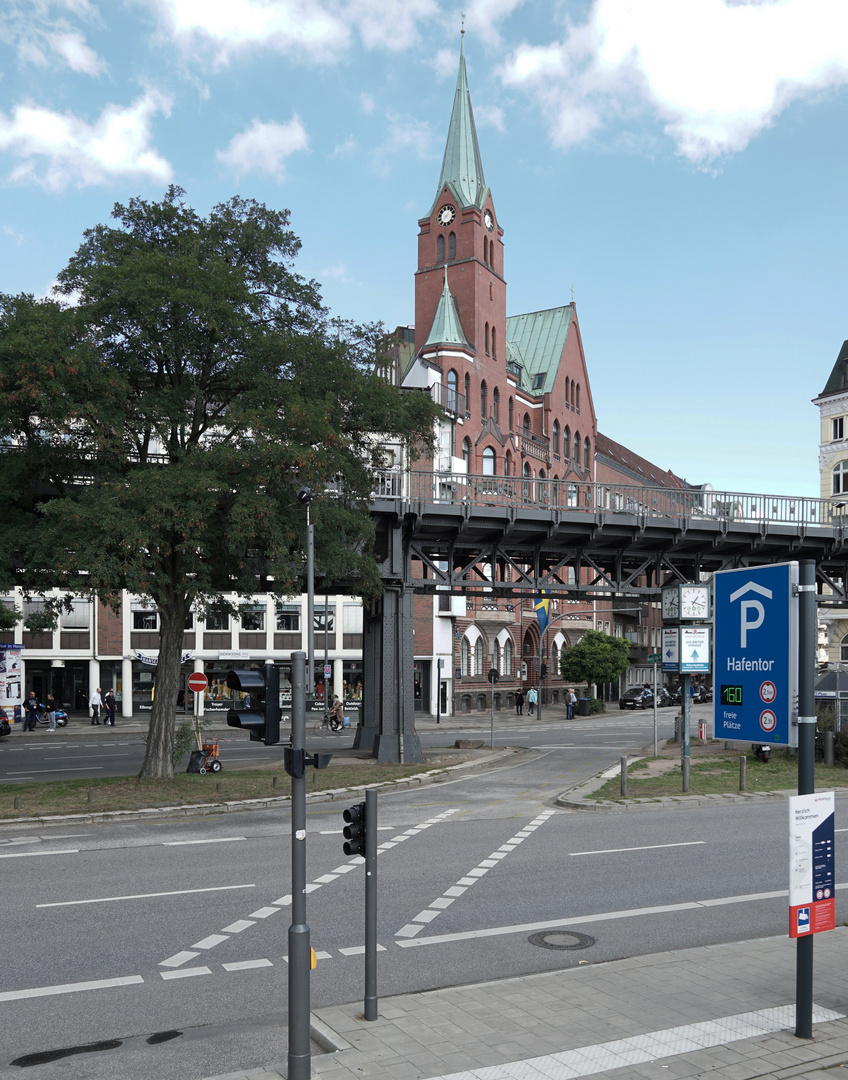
(261, 716)
(544, 670)
(354, 831)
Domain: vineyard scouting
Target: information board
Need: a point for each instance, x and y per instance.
(756, 654)
(670, 648)
(812, 868)
(694, 649)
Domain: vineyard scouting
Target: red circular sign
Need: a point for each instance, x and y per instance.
(768, 692)
(197, 682)
(768, 721)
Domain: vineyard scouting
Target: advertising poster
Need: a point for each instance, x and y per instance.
(10, 681)
(812, 871)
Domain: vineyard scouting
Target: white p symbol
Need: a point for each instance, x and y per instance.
(746, 623)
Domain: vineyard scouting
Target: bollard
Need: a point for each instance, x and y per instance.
(743, 761)
(91, 796)
(273, 781)
(678, 728)
(624, 778)
(219, 787)
(18, 802)
(686, 763)
(829, 755)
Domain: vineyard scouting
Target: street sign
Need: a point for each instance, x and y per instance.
(670, 648)
(493, 675)
(694, 649)
(197, 682)
(756, 654)
(812, 871)
(653, 658)
(328, 671)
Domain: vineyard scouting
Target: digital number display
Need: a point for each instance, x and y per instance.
(731, 695)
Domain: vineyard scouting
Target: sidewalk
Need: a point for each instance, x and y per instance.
(724, 1010)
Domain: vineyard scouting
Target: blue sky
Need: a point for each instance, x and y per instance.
(680, 163)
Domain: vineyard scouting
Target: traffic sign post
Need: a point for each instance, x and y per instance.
(655, 658)
(756, 654)
(197, 682)
(493, 678)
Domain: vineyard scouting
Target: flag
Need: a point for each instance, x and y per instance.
(542, 607)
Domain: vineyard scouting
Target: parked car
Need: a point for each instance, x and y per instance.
(637, 697)
(664, 696)
(702, 694)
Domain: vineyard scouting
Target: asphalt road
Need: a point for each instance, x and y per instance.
(192, 915)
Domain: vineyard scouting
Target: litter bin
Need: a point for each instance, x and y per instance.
(583, 706)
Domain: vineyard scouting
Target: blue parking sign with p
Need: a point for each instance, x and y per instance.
(756, 654)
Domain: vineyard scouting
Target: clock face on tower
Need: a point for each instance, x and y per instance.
(694, 601)
(671, 602)
(446, 215)
(488, 220)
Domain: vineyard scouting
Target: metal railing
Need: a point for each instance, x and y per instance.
(450, 399)
(603, 500)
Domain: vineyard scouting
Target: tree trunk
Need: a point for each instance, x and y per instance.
(158, 764)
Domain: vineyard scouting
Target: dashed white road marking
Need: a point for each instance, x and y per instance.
(211, 941)
(185, 973)
(417, 924)
(178, 958)
(646, 847)
(139, 896)
(212, 840)
(238, 926)
(243, 965)
(25, 854)
(358, 950)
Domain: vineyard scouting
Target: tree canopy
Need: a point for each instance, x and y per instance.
(159, 418)
(596, 658)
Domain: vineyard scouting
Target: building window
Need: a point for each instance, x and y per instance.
(572, 393)
(508, 464)
(571, 495)
(144, 615)
(484, 400)
(494, 345)
(463, 657)
(253, 617)
(452, 246)
(453, 390)
(566, 442)
(538, 381)
(487, 339)
(217, 620)
(479, 656)
(511, 413)
(496, 405)
(837, 429)
(506, 658)
(325, 615)
(578, 397)
(555, 438)
(527, 423)
(288, 618)
(467, 394)
(576, 454)
(488, 461)
(352, 626)
(485, 249)
(466, 453)
(79, 617)
(840, 478)
(587, 453)
(843, 650)
(440, 250)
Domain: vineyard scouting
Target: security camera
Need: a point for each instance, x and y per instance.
(304, 496)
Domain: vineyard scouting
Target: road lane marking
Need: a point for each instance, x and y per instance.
(178, 959)
(69, 988)
(185, 973)
(138, 896)
(238, 926)
(211, 941)
(27, 854)
(212, 840)
(358, 950)
(38, 772)
(416, 924)
(264, 912)
(647, 847)
(651, 1046)
(243, 965)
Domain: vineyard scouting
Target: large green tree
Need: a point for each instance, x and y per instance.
(596, 658)
(159, 422)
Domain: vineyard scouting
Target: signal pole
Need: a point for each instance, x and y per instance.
(300, 951)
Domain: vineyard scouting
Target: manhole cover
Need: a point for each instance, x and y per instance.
(561, 939)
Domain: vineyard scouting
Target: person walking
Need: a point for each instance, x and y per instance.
(94, 703)
(570, 702)
(531, 700)
(31, 707)
(519, 702)
(50, 712)
(109, 705)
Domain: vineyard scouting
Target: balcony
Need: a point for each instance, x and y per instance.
(451, 400)
(535, 446)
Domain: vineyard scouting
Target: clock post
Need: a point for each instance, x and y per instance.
(686, 606)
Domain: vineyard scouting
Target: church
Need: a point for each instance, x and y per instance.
(518, 410)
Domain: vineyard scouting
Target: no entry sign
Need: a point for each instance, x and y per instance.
(197, 682)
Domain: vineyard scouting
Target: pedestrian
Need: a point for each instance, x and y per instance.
(50, 712)
(110, 706)
(31, 707)
(94, 703)
(519, 702)
(570, 702)
(531, 700)
(337, 714)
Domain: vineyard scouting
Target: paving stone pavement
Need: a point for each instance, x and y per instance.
(719, 1011)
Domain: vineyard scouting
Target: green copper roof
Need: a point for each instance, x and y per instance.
(462, 167)
(446, 328)
(839, 376)
(538, 340)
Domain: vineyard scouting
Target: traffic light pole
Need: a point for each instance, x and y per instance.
(300, 1053)
(371, 905)
(806, 772)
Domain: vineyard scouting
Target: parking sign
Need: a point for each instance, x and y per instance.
(756, 654)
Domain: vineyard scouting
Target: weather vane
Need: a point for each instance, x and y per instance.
(572, 294)
(462, 31)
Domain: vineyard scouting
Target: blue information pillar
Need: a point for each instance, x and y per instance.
(755, 682)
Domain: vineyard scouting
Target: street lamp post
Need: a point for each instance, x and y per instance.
(305, 497)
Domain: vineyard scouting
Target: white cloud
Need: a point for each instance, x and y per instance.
(7, 230)
(265, 147)
(489, 116)
(74, 51)
(716, 72)
(367, 103)
(40, 33)
(482, 17)
(58, 149)
(445, 63)
(346, 148)
(406, 136)
(389, 24)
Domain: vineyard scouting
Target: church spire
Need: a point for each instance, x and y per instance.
(446, 328)
(462, 167)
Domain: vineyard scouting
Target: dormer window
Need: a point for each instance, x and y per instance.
(538, 381)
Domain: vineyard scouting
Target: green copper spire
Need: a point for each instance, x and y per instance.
(446, 328)
(462, 167)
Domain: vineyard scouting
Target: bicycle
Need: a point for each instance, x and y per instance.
(326, 724)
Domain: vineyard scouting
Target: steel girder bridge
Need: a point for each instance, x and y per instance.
(506, 537)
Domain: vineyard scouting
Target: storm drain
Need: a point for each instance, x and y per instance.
(45, 1056)
(563, 940)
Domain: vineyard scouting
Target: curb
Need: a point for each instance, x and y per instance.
(329, 795)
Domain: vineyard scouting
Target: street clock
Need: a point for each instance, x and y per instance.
(671, 602)
(694, 601)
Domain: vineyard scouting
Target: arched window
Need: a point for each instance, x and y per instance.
(492, 254)
(506, 658)
(485, 249)
(527, 492)
(840, 478)
(571, 495)
(440, 250)
(464, 657)
(488, 461)
(578, 397)
(566, 442)
(572, 393)
(555, 491)
(496, 405)
(527, 423)
(453, 391)
(555, 438)
(576, 454)
(466, 453)
(511, 413)
(508, 464)
(843, 650)
(542, 487)
(487, 339)
(467, 394)
(452, 246)
(587, 453)
(494, 345)
(555, 661)
(484, 400)
(479, 656)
